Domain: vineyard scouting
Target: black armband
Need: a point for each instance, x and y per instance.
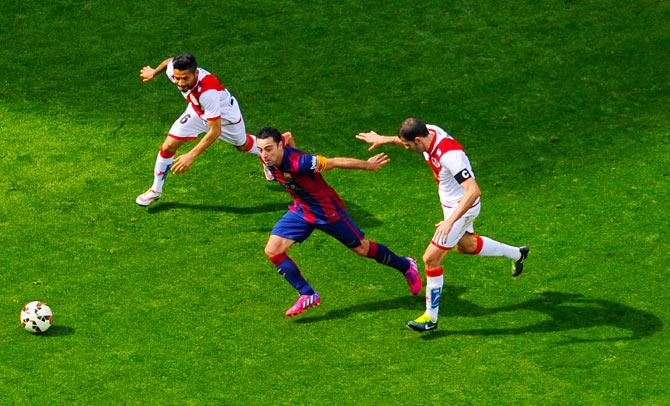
(462, 176)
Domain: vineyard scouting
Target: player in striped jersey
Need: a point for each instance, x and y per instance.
(460, 199)
(316, 205)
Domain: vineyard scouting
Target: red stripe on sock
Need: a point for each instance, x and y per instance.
(165, 154)
(372, 251)
(250, 143)
(434, 272)
(278, 259)
(480, 244)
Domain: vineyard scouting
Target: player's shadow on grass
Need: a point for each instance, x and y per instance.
(566, 312)
(261, 208)
(403, 302)
(58, 331)
(363, 218)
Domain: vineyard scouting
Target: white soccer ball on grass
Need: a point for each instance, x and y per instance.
(36, 317)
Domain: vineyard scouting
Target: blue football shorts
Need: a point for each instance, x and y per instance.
(294, 227)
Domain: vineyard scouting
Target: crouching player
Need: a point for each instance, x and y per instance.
(317, 205)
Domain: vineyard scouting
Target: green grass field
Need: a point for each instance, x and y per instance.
(562, 107)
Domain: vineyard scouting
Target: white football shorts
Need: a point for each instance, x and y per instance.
(465, 224)
(189, 126)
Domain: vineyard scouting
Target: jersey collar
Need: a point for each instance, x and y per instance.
(433, 142)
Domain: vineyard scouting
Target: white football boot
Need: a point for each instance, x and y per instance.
(147, 197)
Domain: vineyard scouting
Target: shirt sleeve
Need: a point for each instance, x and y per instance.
(211, 104)
(458, 164)
(308, 163)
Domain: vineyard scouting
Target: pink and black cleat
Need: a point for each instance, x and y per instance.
(303, 302)
(413, 278)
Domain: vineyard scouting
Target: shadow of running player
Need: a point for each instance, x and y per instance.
(566, 311)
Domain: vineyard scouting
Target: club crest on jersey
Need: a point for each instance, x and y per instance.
(435, 162)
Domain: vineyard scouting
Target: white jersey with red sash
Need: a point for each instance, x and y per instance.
(209, 98)
(450, 166)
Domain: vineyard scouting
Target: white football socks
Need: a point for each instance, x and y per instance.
(161, 169)
(433, 292)
(492, 248)
(252, 147)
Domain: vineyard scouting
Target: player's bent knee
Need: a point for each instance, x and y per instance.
(272, 252)
(431, 261)
(169, 149)
(468, 244)
(469, 250)
(360, 250)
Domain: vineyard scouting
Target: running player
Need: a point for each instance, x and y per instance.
(460, 199)
(211, 110)
(317, 205)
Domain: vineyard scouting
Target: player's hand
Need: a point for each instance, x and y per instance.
(182, 163)
(288, 139)
(443, 229)
(377, 161)
(147, 74)
(371, 138)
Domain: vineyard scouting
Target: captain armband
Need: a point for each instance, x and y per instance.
(462, 175)
(319, 163)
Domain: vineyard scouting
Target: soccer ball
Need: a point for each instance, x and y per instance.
(36, 317)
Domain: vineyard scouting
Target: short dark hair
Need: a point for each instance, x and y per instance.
(412, 128)
(269, 132)
(185, 62)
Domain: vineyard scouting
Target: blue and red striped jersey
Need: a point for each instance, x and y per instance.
(315, 200)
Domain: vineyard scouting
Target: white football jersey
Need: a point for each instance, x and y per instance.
(209, 98)
(450, 166)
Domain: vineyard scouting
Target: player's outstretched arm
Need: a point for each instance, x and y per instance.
(376, 140)
(372, 164)
(147, 74)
